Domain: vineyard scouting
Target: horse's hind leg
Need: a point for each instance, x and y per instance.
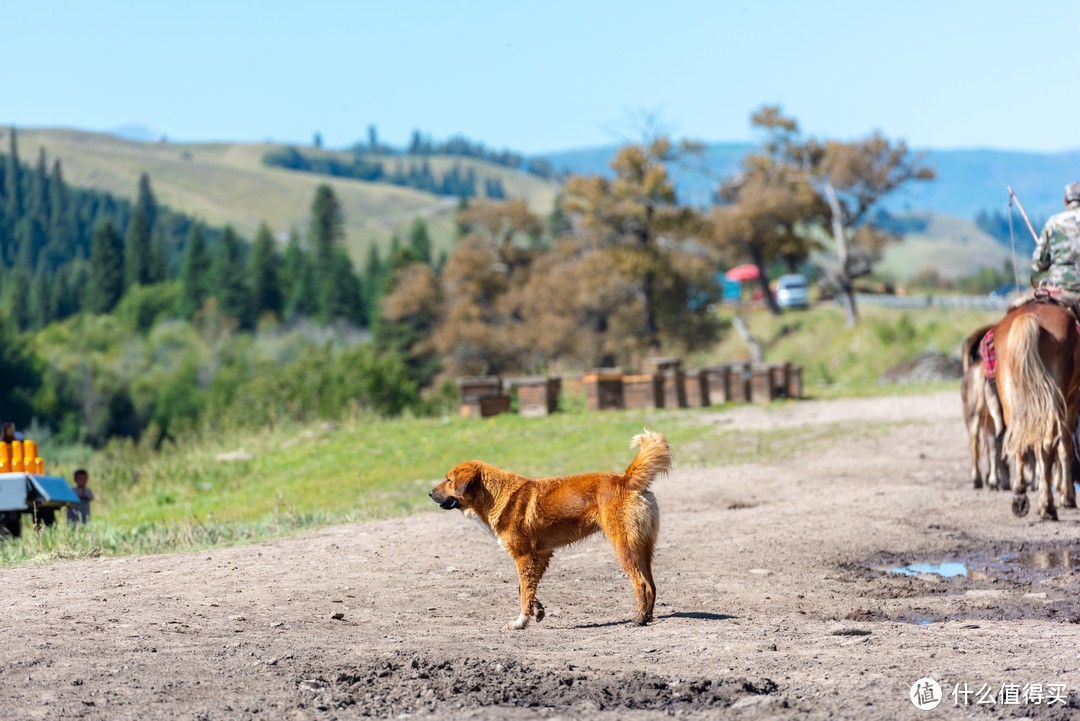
(1071, 466)
(1044, 469)
(975, 434)
(1020, 503)
(998, 474)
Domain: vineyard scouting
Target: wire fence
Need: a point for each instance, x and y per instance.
(905, 302)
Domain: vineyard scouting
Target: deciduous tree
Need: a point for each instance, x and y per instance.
(852, 178)
(635, 222)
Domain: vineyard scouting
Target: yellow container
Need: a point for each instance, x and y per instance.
(5, 457)
(39, 466)
(29, 453)
(17, 457)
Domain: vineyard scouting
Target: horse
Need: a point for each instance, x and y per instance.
(982, 416)
(1038, 379)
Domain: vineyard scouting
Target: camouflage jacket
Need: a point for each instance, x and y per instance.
(1058, 249)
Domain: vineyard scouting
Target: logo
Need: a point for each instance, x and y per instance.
(925, 694)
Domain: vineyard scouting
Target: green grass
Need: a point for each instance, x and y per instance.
(183, 499)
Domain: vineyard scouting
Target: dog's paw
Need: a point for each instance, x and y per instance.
(538, 611)
(519, 623)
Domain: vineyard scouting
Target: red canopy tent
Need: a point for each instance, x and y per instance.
(743, 272)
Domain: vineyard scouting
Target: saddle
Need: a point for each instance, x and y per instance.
(1048, 294)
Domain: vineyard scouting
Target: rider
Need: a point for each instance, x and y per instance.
(1058, 249)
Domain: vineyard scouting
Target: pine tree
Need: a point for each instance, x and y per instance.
(420, 241)
(13, 201)
(17, 285)
(194, 274)
(106, 282)
(38, 311)
(297, 286)
(263, 275)
(13, 205)
(229, 286)
(38, 201)
(138, 254)
(372, 282)
(324, 237)
(61, 243)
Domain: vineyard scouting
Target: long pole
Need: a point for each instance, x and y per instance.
(1023, 214)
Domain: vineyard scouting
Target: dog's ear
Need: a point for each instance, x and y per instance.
(465, 475)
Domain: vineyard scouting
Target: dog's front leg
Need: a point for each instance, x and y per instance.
(530, 570)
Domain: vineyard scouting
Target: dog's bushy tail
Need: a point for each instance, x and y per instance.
(653, 459)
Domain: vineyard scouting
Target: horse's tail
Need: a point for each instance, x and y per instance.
(1037, 405)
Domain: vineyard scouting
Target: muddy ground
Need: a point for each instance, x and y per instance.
(775, 600)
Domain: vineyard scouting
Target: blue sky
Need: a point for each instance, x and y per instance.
(548, 76)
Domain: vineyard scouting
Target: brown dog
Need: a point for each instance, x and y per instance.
(533, 517)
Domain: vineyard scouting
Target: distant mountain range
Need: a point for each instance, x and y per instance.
(968, 180)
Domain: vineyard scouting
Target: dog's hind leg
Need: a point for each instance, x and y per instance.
(530, 570)
(634, 549)
(637, 563)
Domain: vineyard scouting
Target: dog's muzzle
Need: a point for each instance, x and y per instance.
(447, 504)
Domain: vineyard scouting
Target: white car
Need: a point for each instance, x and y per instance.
(792, 291)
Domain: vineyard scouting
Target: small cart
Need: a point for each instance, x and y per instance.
(28, 492)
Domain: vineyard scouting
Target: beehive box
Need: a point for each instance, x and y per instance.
(697, 388)
(794, 382)
(603, 390)
(643, 391)
(739, 382)
(673, 384)
(717, 380)
(485, 407)
(472, 387)
(537, 396)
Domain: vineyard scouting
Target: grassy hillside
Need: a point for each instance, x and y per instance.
(228, 183)
(950, 246)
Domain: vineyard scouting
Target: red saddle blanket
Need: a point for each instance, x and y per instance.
(989, 356)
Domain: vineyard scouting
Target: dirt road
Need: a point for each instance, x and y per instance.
(774, 601)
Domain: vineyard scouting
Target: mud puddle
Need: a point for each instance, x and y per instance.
(1029, 565)
(409, 683)
(1005, 582)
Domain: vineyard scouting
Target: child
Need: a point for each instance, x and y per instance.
(81, 512)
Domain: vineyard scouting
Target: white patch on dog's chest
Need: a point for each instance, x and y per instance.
(480, 522)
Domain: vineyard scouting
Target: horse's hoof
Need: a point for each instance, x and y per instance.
(1020, 505)
(1069, 504)
(1048, 514)
(977, 483)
